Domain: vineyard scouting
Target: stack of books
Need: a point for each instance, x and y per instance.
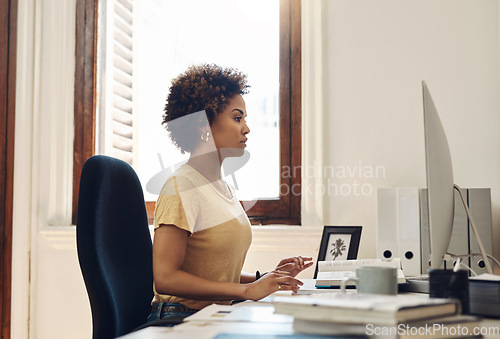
(484, 295)
(377, 316)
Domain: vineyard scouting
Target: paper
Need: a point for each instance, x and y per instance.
(151, 332)
(241, 313)
(486, 276)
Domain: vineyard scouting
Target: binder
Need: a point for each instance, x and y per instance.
(479, 201)
(387, 223)
(463, 241)
(409, 230)
(425, 243)
(403, 228)
(459, 242)
(398, 224)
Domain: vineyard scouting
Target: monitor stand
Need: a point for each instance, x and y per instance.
(418, 284)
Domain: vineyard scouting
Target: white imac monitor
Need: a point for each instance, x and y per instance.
(440, 184)
(440, 187)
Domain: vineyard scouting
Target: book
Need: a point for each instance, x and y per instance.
(331, 273)
(279, 336)
(309, 287)
(458, 326)
(484, 295)
(359, 308)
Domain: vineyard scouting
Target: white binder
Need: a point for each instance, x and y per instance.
(479, 200)
(398, 227)
(409, 230)
(387, 223)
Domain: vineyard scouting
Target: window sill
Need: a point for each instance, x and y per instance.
(272, 237)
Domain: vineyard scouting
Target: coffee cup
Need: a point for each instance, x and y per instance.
(374, 279)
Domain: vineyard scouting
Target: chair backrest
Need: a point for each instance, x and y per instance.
(114, 246)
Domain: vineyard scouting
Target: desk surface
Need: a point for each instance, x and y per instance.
(260, 322)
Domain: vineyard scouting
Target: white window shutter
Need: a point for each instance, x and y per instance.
(116, 114)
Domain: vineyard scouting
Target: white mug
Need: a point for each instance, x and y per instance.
(374, 279)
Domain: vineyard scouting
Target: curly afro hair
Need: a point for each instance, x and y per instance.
(204, 87)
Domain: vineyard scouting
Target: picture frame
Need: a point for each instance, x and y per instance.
(339, 243)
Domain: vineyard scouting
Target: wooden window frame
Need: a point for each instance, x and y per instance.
(8, 46)
(282, 210)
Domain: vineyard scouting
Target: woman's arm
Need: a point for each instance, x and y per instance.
(169, 249)
(247, 278)
(292, 265)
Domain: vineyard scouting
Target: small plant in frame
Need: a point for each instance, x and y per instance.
(338, 243)
(338, 248)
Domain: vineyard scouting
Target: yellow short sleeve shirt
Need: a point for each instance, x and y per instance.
(220, 232)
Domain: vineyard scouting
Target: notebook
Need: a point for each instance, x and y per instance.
(331, 273)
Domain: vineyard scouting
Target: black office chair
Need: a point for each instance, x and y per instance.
(114, 247)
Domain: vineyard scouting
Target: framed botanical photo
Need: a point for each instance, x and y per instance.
(339, 243)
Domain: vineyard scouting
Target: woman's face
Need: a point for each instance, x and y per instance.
(229, 129)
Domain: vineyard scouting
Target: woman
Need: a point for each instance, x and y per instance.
(202, 234)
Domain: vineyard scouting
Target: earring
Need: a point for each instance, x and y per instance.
(204, 136)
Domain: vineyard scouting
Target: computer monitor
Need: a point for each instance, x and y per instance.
(440, 187)
(440, 183)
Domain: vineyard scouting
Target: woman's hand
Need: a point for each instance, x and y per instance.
(294, 265)
(270, 283)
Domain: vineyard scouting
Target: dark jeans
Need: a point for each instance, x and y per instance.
(169, 310)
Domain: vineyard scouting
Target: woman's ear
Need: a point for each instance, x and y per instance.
(204, 132)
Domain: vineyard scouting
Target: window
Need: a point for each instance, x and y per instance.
(281, 207)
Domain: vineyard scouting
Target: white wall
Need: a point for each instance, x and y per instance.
(362, 66)
(377, 54)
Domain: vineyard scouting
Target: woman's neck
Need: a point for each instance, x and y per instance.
(208, 164)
